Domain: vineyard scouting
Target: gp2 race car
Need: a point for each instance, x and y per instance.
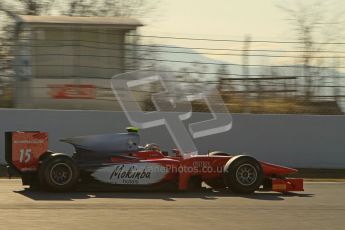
(116, 161)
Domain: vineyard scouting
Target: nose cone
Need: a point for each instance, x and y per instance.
(270, 169)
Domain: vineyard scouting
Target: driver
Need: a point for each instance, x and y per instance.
(152, 147)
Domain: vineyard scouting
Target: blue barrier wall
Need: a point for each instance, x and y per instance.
(292, 140)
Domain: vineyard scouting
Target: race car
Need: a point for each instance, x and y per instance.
(116, 161)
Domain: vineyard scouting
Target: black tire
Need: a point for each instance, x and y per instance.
(218, 153)
(243, 175)
(58, 174)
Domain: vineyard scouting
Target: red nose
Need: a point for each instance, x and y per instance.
(271, 169)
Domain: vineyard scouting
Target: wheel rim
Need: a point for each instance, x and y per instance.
(246, 174)
(61, 174)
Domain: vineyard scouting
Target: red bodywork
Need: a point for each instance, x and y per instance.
(28, 147)
(210, 169)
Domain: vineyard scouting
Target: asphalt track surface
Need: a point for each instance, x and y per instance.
(321, 206)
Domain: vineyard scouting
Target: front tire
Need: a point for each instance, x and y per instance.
(243, 175)
(58, 174)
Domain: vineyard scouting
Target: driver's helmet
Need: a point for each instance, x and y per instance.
(152, 147)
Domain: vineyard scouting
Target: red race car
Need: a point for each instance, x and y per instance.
(116, 161)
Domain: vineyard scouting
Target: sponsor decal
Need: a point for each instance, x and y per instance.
(134, 174)
(281, 187)
(72, 91)
(201, 164)
(29, 142)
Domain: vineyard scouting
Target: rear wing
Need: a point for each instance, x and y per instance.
(23, 149)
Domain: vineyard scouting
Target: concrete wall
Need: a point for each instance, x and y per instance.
(91, 56)
(93, 47)
(292, 140)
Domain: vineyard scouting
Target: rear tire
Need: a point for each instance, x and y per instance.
(58, 174)
(243, 175)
